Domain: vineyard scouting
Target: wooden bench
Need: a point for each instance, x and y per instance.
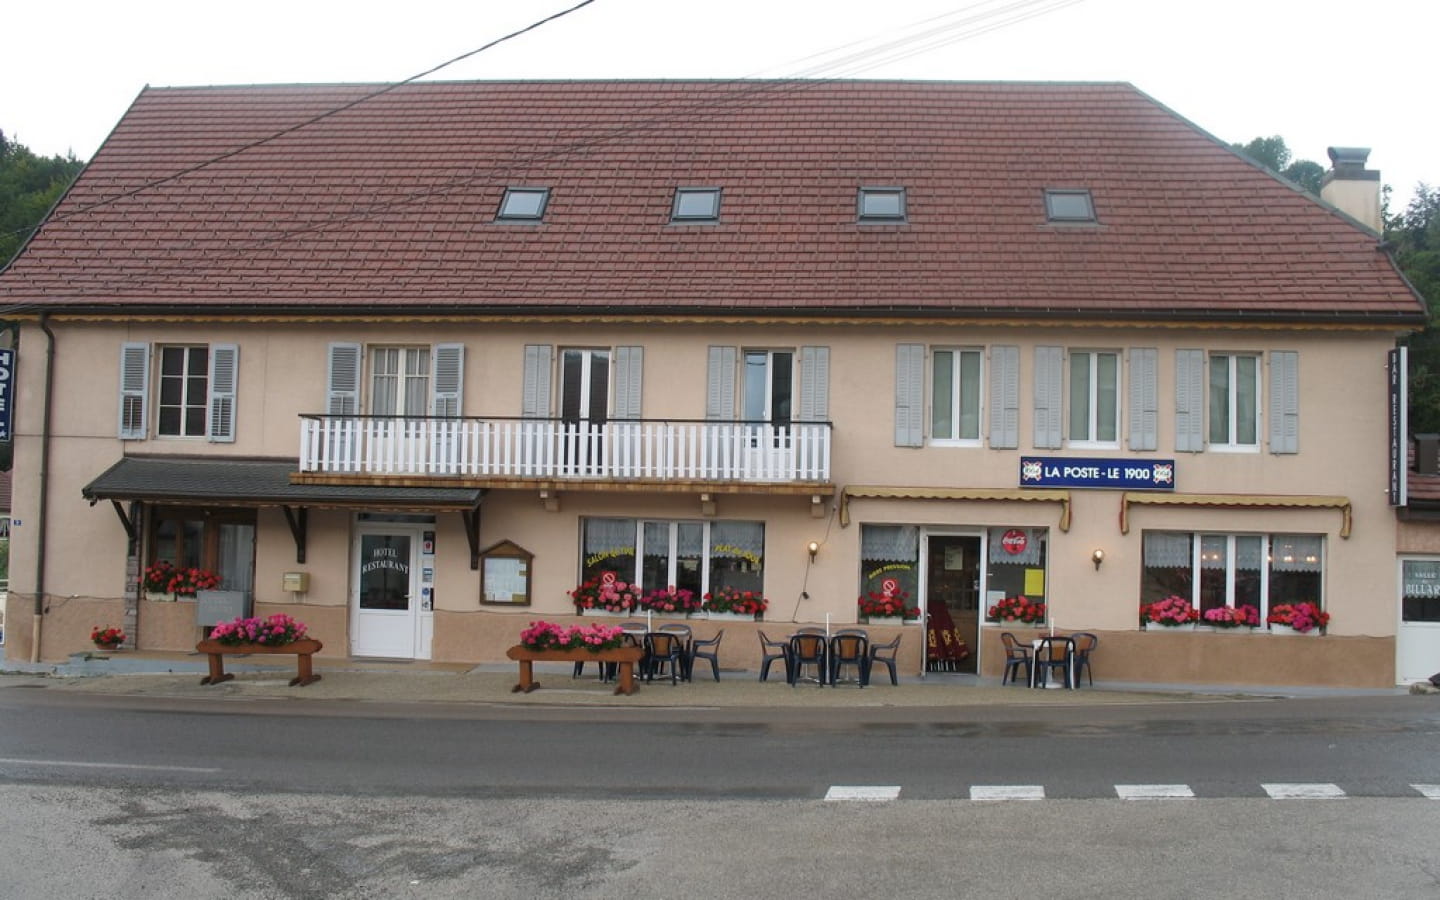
(302, 649)
(625, 659)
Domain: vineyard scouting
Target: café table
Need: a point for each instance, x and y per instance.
(1048, 651)
(807, 648)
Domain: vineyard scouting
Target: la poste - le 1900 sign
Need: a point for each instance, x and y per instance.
(1080, 472)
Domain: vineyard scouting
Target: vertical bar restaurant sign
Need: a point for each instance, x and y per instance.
(1398, 403)
(1082, 472)
(7, 392)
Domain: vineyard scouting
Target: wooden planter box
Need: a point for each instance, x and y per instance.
(624, 657)
(302, 649)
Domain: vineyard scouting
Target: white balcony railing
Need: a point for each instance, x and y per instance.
(549, 448)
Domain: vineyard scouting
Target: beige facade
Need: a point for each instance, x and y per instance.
(282, 374)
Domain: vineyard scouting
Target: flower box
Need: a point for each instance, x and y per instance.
(624, 657)
(888, 620)
(733, 616)
(1161, 626)
(302, 649)
(159, 596)
(1276, 628)
(621, 614)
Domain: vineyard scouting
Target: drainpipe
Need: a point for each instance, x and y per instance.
(41, 521)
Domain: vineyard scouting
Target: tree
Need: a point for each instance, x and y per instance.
(1415, 236)
(29, 186)
(1272, 153)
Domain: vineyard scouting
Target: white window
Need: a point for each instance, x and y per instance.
(585, 385)
(404, 381)
(1233, 570)
(1094, 391)
(955, 392)
(693, 556)
(1234, 401)
(399, 381)
(767, 386)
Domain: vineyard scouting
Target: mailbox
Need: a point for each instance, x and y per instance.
(295, 582)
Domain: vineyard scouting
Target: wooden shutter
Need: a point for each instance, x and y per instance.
(629, 367)
(134, 390)
(720, 384)
(447, 380)
(1144, 398)
(535, 399)
(1189, 400)
(1284, 401)
(1004, 397)
(814, 384)
(909, 395)
(342, 381)
(1049, 400)
(224, 369)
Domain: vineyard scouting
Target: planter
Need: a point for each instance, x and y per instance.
(159, 597)
(107, 646)
(625, 658)
(302, 649)
(602, 613)
(733, 616)
(888, 620)
(1158, 626)
(1286, 629)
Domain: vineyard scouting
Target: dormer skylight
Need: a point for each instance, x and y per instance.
(1068, 205)
(696, 205)
(523, 204)
(881, 205)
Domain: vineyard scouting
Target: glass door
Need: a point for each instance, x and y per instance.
(952, 601)
(386, 598)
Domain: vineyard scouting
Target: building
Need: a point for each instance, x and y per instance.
(412, 363)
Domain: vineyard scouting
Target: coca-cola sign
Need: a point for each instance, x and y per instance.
(1014, 541)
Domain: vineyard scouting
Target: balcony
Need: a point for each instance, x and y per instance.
(633, 450)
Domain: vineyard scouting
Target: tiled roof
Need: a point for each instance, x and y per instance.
(391, 203)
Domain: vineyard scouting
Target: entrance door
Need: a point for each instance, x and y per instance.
(584, 408)
(952, 601)
(386, 593)
(1417, 642)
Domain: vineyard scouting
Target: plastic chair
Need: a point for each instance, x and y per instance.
(850, 649)
(1085, 642)
(807, 649)
(1016, 657)
(706, 649)
(770, 651)
(885, 655)
(663, 653)
(1054, 653)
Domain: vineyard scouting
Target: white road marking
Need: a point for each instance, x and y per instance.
(1429, 790)
(101, 765)
(1153, 791)
(1304, 791)
(867, 793)
(1007, 792)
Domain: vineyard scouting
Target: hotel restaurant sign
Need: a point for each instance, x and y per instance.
(1081, 472)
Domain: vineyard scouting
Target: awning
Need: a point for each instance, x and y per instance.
(247, 482)
(1236, 501)
(266, 483)
(1011, 495)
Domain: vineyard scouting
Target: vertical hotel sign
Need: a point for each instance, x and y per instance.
(1399, 440)
(7, 393)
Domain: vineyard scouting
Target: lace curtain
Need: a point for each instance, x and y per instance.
(889, 543)
(1033, 555)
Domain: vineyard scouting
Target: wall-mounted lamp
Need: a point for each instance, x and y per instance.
(1097, 556)
(814, 548)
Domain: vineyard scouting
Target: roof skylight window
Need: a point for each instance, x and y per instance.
(882, 204)
(523, 204)
(696, 205)
(1069, 206)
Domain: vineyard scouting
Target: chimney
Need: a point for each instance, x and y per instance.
(1352, 188)
(1427, 454)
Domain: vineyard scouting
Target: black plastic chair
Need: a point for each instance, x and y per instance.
(885, 654)
(1054, 653)
(633, 636)
(850, 650)
(706, 649)
(771, 651)
(663, 654)
(1085, 643)
(808, 650)
(1017, 656)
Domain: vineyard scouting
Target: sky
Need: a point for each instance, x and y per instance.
(1319, 73)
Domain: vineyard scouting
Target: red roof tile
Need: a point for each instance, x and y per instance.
(391, 203)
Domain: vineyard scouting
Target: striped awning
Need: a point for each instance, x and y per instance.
(973, 495)
(1236, 501)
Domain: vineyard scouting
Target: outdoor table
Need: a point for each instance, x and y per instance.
(1035, 645)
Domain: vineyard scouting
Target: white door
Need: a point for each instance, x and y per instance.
(1417, 641)
(767, 395)
(385, 598)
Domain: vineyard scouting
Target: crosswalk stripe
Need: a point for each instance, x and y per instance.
(1429, 790)
(1007, 792)
(1304, 791)
(1153, 791)
(868, 793)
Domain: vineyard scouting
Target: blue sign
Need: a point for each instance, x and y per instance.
(1080, 472)
(7, 392)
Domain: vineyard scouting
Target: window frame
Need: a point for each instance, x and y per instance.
(864, 194)
(636, 573)
(1232, 400)
(403, 378)
(768, 416)
(1054, 214)
(186, 405)
(958, 392)
(1266, 588)
(1092, 424)
(504, 214)
(684, 193)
